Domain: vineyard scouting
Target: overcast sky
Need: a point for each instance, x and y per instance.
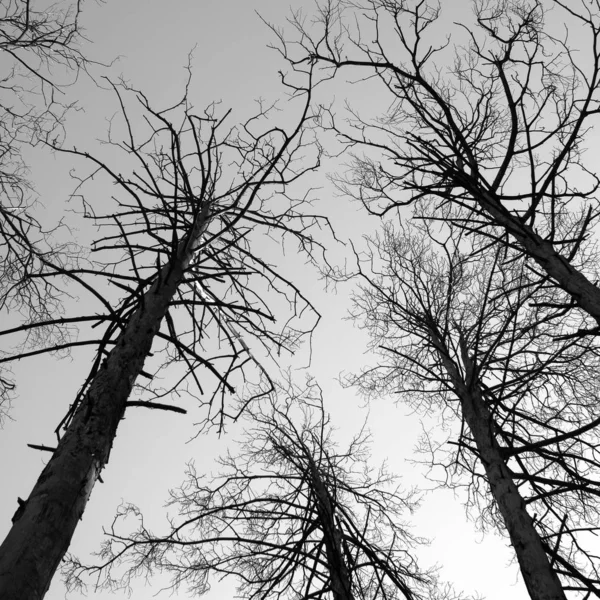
(152, 39)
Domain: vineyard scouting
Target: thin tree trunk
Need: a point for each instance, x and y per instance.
(44, 525)
(338, 570)
(540, 579)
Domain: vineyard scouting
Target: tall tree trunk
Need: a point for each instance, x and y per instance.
(44, 525)
(540, 579)
(341, 586)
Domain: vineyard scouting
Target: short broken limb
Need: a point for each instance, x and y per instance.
(158, 406)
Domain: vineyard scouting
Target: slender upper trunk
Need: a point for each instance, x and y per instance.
(44, 525)
(540, 578)
(338, 570)
(585, 293)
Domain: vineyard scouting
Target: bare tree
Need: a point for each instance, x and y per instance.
(182, 279)
(291, 515)
(40, 51)
(495, 118)
(471, 332)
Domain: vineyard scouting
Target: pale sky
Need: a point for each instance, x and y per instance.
(232, 64)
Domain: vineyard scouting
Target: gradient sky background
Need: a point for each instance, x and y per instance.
(231, 63)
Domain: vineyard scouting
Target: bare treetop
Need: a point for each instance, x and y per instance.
(495, 117)
(291, 514)
(183, 163)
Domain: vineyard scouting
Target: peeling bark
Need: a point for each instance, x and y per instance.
(42, 531)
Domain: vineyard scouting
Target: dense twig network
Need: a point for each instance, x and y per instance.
(180, 276)
(290, 515)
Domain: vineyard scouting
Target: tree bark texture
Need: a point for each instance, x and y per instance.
(44, 524)
(585, 293)
(540, 579)
(341, 586)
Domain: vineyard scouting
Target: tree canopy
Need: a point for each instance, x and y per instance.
(424, 172)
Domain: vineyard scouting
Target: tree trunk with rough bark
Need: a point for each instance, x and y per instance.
(340, 578)
(540, 578)
(44, 524)
(585, 293)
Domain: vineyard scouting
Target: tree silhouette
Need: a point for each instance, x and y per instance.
(494, 118)
(181, 279)
(290, 515)
(471, 332)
